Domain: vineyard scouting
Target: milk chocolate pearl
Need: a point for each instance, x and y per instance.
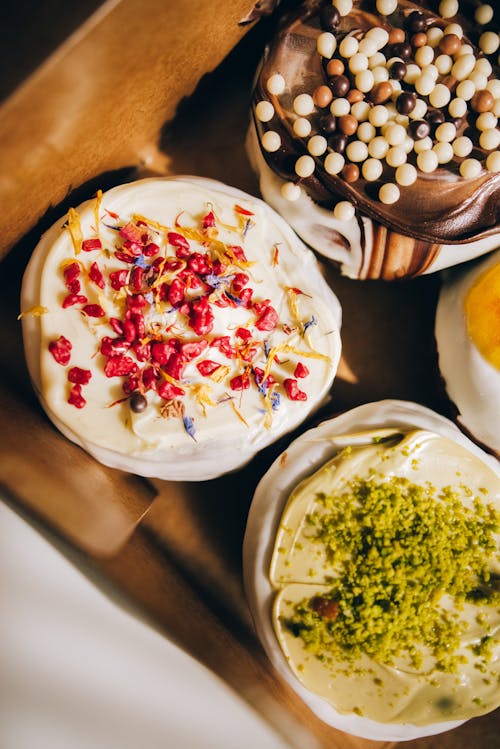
(482, 101)
(350, 173)
(403, 49)
(347, 124)
(329, 17)
(380, 93)
(335, 67)
(449, 44)
(340, 85)
(396, 36)
(328, 124)
(322, 96)
(338, 143)
(416, 22)
(138, 403)
(354, 95)
(419, 129)
(405, 103)
(398, 70)
(419, 40)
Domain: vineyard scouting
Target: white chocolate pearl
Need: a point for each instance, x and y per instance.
(389, 193)
(396, 88)
(326, 44)
(264, 111)
(424, 84)
(348, 46)
(380, 73)
(396, 156)
(457, 107)
(375, 60)
(290, 191)
(412, 73)
(444, 64)
(303, 104)
(358, 62)
(317, 145)
(402, 119)
(406, 174)
(440, 95)
(434, 36)
(304, 166)
(462, 146)
(356, 150)
(424, 55)
(344, 7)
(470, 168)
(493, 161)
(419, 110)
(446, 132)
(489, 139)
(339, 107)
(483, 66)
(454, 28)
(271, 141)
(344, 211)
(478, 79)
(496, 108)
(465, 49)
(379, 115)
(486, 121)
(379, 35)
(494, 87)
(483, 14)
(372, 169)
(334, 163)
(378, 147)
(466, 90)
(463, 67)
(448, 8)
(301, 127)
(431, 70)
(488, 42)
(444, 152)
(360, 110)
(368, 46)
(424, 144)
(395, 135)
(364, 81)
(427, 161)
(386, 7)
(407, 144)
(365, 132)
(276, 84)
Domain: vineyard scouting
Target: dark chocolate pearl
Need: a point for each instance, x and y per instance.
(435, 117)
(340, 85)
(405, 103)
(419, 129)
(402, 50)
(416, 22)
(457, 121)
(338, 143)
(138, 403)
(329, 17)
(398, 70)
(328, 124)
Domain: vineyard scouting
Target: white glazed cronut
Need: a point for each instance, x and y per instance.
(371, 563)
(375, 134)
(174, 327)
(468, 341)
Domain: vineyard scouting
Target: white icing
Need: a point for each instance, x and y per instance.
(472, 383)
(146, 443)
(306, 455)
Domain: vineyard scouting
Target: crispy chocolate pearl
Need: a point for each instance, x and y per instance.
(416, 22)
(419, 40)
(396, 35)
(398, 70)
(338, 143)
(435, 117)
(350, 173)
(403, 49)
(335, 67)
(329, 17)
(328, 124)
(348, 124)
(138, 403)
(340, 85)
(405, 103)
(419, 129)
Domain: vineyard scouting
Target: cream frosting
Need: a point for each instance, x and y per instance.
(282, 566)
(215, 428)
(472, 382)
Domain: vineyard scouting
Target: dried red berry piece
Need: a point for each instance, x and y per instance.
(243, 333)
(73, 299)
(246, 297)
(132, 233)
(240, 382)
(208, 221)
(71, 273)
(238, 253)
(224, 345)
(61, 350)
(118, 278)
(136, 302)
(96, 276)
(151, 249)
(130, 384)
(179, 242)
(136, 277)
(239, 282)
(117, 325)
(267, 316)
(293, 391)
(142, 351)
(125, 257)
(148, 375)
(79, 376)
(175, 366)
(91, 244)
(201, 318)
(301, 370)
(168, 391)
(76, 398)
(118, 366)
(259, 376)
(114, 346)
(162, 350)
(93, 310)
(176, 292)
(207, 367)
(199, 263)
(191, 349)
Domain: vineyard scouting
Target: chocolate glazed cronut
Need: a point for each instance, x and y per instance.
(407, 213)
